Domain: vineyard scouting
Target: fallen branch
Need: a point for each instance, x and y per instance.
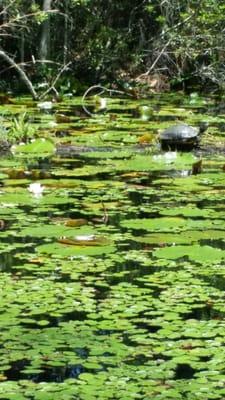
(156, 60)
(52, 87)
(28, 63)
(103, 89)
(166, 45)
(21, 73)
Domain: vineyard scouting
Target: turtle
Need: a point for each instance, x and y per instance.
(182, 136)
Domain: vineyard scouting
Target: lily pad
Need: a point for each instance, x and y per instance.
(74, 251)
(204, 254)
(36, 147)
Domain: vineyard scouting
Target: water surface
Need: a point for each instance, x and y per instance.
(113, 264)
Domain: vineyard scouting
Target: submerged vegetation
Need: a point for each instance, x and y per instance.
(112, 253)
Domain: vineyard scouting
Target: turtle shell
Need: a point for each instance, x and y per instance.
(179, 135)
(179, 132)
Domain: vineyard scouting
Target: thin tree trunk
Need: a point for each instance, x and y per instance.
(65, 45)
(45, 34)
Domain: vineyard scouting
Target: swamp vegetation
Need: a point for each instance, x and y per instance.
(112, 258)
(112, 248)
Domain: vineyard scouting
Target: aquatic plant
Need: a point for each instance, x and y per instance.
(21, 129)
(112, 261)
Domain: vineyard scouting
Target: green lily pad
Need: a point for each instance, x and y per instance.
(36, 147)
(74, 251)
(195, 252)
(186, 237)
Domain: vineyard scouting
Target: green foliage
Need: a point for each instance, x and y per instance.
(21, 129)
(3, 130)
(181, 39)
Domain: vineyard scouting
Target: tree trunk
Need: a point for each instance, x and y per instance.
(65, 46)
(44, 51)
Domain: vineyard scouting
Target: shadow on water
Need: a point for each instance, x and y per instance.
(48, 374)
(7, 260)
(184, 371)
(215, 280)
(55, 321)
(205, 313)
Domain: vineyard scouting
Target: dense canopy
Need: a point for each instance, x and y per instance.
(182, 41)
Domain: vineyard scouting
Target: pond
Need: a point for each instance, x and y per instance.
(112, 253)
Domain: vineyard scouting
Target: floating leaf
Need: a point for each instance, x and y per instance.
(36, 147)
(78, 250)
(195, 252)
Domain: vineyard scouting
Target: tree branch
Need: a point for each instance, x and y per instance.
(21, 73)
(52, 87)
(103, 89)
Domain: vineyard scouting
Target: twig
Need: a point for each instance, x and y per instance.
(27, 63)
(166, 45)
(20, 18)
(6, 7)
(156, 60)
(52, 87)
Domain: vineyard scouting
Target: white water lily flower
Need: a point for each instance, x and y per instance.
(100, 102)
(85, 237)
(36, 189)
(103, 104)
(185, 173)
